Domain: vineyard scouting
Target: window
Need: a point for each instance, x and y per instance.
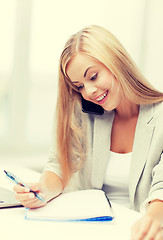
(7, 26)
(153, 39)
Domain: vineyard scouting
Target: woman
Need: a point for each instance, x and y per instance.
(109, 131)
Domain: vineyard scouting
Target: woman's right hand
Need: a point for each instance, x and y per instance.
(27, 198)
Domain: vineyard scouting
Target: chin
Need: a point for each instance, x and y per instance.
(107, 108)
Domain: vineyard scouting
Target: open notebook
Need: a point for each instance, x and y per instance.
(83, 205)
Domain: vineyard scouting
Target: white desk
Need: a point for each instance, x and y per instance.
(13, 226)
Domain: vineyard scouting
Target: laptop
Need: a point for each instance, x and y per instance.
(7, 199)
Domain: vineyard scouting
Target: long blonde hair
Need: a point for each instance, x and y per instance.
(101, 45)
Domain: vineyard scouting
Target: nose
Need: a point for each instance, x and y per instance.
(90, 90)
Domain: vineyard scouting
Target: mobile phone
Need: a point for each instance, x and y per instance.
(90, 107)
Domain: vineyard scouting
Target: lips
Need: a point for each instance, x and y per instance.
(102, 97)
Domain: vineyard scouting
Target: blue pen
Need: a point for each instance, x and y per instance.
(19, 182)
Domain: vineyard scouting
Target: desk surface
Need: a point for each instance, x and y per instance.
(15, 227)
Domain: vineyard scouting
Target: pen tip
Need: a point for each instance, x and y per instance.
(5, 171)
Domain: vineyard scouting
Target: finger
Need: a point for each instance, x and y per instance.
(143, 228)
(34, 186)
(35, 203)
(20, 189)
(29, 203)
(153, 231)
(24, 196)
(30, 186)
(134, 230)
(159, 235)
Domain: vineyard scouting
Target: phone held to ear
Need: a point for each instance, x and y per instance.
(90, 107)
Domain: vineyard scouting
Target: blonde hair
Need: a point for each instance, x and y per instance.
(103, 46)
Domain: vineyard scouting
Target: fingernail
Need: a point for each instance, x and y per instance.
(31, 195)
(27, 189)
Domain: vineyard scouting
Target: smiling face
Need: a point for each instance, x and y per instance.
(94, 81)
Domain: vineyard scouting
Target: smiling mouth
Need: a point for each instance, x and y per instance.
(99, 99)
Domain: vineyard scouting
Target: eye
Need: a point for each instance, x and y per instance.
(94, 76)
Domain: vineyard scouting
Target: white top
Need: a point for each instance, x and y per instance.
(116, 182)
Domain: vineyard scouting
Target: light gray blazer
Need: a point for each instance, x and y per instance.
(146, 171)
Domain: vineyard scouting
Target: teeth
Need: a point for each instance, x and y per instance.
(102, 97)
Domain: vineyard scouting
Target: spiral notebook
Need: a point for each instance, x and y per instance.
(83, 205)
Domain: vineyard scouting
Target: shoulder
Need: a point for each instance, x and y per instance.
(157, 120)
(152, 113)
(158, 112)
(158, 106)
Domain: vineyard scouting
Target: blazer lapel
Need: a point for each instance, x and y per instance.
(101, 147)
(143, 136)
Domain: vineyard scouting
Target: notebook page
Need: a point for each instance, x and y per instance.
(74, 205)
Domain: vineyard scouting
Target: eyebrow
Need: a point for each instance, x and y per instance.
(85, 73)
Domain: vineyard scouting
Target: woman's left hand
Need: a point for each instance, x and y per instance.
(147, 228)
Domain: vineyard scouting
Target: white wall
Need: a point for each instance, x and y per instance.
(153, 44)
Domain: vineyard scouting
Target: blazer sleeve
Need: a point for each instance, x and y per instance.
(156, 190)
(53, 164)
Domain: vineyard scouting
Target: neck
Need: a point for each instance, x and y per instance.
(127, 110)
